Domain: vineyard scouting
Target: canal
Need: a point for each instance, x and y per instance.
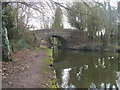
(77, 69)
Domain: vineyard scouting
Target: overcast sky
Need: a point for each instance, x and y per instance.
(39, 24)
(65, 21)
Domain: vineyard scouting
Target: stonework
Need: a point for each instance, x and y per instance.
(70, 38)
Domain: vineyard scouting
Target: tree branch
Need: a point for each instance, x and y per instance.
(70, 9)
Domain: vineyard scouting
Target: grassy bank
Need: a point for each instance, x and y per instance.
(47, 69)
(30, 65)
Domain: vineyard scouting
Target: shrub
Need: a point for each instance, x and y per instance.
(19, 44)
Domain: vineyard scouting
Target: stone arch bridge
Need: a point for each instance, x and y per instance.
(70, 38)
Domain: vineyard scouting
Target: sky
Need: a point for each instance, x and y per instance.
(65, 21)
(39, 24)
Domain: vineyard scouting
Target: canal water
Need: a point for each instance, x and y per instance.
(76, 69)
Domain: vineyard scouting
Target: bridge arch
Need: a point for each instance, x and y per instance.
(62, 40)
(70, 38)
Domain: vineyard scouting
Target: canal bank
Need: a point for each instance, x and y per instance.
(73, 69)
(96, 47)
(29, 69)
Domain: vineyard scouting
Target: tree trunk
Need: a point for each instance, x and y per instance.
(5, 46)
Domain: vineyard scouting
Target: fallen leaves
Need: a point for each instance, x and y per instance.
(24, 68)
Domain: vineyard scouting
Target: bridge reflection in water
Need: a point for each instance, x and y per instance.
(87, 69)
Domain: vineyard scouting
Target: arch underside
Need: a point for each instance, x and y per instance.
(61, 39)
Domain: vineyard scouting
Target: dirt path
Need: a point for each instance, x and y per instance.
(25, 72)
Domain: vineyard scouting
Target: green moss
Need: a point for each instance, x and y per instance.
(37, 49)
(52, 83)
(45, 69)
(44, 65)
(48, 51)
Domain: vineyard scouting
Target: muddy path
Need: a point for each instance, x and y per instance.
(24, 71)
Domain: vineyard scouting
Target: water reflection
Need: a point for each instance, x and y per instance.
(65, 77)
(118, 81)
(87, 69)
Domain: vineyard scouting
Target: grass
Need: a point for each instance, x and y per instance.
(52, 83)
(48, 51)
(44, 68)
(44, 65)
(37, 49)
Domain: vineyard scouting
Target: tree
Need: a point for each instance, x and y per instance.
(10, 28)
(118, 8)
(93, 17)
(5, 40)
(78, 18)
(86, 16)
(58, 19)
